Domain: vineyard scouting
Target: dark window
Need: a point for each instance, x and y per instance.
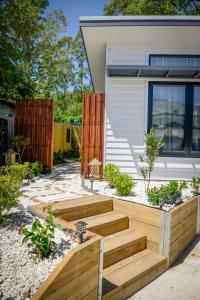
(174, 60)
(68, 135)
(174, 112)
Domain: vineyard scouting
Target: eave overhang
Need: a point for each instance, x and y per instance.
(153, 71)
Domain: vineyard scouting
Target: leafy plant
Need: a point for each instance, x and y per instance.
(152, 150)
(41, 236)
(37, 167)
(195, 185)
(123, 184)
(110, 172)
(168, 193)
(9, 193)
(20, 143)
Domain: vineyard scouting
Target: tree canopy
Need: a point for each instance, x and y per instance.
(38, 59)
(152, 7)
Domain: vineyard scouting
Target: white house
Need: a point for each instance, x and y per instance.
(149, 69)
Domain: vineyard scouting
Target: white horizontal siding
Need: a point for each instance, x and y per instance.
(126, 118)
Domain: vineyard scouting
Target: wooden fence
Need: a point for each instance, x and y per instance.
(34, 120)
(92, 130)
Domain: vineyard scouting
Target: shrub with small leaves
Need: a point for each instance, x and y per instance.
(123, 184)
(41, 236)
(9, 193)
(195, 185)
(110, 172)
(37, 167)
(167, 192)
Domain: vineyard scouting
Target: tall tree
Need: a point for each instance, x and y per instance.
(152, 7)
(19, 31)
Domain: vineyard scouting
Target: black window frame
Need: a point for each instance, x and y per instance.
(189, 99)
(173, 55)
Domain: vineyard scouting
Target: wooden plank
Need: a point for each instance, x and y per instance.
(34, 120)
(77, 274)
(92, 130)
(183, 210)
(122, 245)
(138, 212)
(104, 224)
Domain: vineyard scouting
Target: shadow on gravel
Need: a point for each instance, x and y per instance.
(62, 246)
(15, 219)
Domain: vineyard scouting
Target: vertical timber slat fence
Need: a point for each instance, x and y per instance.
(34, 120)
(92, 130)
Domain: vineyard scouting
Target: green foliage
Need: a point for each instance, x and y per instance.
(9, 192)
(20, 143)
(167, 192)
(153, 146)
(195, 185)
(37, 58)
(61, 157)
(123, 184)
(37, 168)
(110, 172)
(41, 236)
(151, 7)
(23, 171)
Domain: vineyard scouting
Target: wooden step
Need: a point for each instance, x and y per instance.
(129, 275)
(84, 207)
(104, 224)
(121, 245)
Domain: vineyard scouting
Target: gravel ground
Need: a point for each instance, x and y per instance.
(138, 194)
(22, 272)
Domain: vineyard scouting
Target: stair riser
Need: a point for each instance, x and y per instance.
(85, 211)
(124, 251)
(111, 227)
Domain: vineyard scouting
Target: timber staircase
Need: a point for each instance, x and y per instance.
(128, 265)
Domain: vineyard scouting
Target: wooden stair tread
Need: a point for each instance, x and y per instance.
(101, 219)
(63, 206)
(132, 268)
(119, 239)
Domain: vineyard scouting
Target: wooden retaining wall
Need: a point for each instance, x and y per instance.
(77, 275)
(183, 227)
(92, 130)
(142, 218)
(168, 233)
(34, 120)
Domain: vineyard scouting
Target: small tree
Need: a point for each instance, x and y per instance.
(20, 143)
(152, 150)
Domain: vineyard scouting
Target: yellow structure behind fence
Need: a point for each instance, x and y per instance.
(62, 137)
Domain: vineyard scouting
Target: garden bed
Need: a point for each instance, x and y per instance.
(137, 195)
(22, 272)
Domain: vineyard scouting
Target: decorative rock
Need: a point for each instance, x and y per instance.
(21, 272)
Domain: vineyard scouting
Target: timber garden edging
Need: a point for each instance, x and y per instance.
(168, 234)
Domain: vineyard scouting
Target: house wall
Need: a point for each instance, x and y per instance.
(126, 115)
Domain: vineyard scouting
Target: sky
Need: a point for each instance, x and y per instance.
(74, 8)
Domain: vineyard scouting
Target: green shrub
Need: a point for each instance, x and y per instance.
(166, 192)
(110, 172)
(18, 170)
(9, 192)
(195, 185)
(154, 195)
(123, 184)
(41, 236)
(37, 167)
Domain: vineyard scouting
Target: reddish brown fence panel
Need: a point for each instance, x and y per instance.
(34, 120)
(92, 130)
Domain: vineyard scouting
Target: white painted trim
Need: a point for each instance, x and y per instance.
(100, 270)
